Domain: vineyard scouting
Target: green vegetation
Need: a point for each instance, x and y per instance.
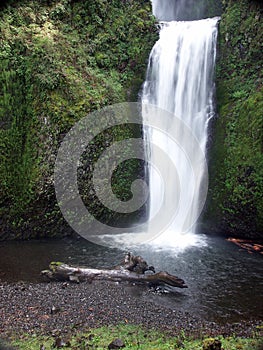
(236, 162)
(60, 60)
(134, 337)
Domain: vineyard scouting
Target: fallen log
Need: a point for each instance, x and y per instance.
(123, 272)
(249, 245)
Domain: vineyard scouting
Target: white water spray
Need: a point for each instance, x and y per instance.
(180, 81)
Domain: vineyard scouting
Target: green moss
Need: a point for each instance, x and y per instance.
(54, 264)
(134, 337)
(60, 61)
(236, 170)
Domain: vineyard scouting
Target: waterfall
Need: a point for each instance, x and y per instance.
(176, 106)
(177, 9)
(180, 80)
(168, 10)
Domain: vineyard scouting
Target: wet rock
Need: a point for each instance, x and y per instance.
(20, 286)
(116, 344)
(64, 285)
(60, 343)
(73, 278)
(54, 310)
(55, 332)
(212, 344)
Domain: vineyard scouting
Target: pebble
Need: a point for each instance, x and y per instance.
(42, 308)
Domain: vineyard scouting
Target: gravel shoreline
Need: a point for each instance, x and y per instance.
(42, 308)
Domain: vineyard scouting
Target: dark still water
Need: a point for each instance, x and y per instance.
(225, 283)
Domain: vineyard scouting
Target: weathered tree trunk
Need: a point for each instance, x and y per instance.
(131, 270)
(250, 246)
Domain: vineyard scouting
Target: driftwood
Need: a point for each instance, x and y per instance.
(249, 245)
(132, 269)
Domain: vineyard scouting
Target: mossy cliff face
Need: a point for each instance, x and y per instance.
(60, 60)
(235, 202)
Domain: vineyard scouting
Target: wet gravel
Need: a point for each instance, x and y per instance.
(42, 308)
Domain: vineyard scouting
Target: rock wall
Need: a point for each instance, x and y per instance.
(60, 60)
(235, 201)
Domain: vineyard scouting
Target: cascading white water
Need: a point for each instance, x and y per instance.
(180, 81)
(168, 10)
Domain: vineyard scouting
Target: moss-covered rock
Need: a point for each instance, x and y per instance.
(235, 203)
(60, 60)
